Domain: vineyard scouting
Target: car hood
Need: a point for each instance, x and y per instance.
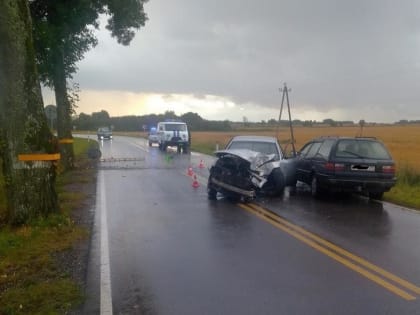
(257, 160)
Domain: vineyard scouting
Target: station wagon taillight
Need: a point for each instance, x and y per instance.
(388, 169)
(334, 166)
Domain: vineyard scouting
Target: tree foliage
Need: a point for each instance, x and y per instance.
(64, 32)
(69, 26)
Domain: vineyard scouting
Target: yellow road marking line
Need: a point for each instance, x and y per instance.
(387, 285)
(343, 252)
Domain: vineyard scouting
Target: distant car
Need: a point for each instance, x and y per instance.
(248, 166)
(346, 164)
(153, 136)
(104, 133)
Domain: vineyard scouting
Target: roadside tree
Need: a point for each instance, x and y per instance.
(63, 33)
(23, 126)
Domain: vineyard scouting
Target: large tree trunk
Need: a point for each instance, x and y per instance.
(64, 126)
(23, 127)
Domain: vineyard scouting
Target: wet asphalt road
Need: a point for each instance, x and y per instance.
(172, 251)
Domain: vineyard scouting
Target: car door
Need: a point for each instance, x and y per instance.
(321, 156)
(311, 161)
(301, 163)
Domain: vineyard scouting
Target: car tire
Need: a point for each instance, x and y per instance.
(316, 190)
(276, 183)
(376, 195)
(232, 196)
(150, 144)
(211, 192)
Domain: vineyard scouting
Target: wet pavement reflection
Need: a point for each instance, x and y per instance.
(173, 251)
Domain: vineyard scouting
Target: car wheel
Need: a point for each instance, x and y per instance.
(232, 197)
(150, 144)
(279, 182)
(211, 192)
(185, 149)
(376, 195)
(275, 184)
(315, 189)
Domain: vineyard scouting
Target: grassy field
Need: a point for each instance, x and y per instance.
(32, 277)
(402, 141)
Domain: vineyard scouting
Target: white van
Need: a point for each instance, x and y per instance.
(173, 133)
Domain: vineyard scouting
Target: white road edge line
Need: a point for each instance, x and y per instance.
(105, 285)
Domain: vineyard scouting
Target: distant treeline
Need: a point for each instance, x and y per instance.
(144, 123)
(197, 123)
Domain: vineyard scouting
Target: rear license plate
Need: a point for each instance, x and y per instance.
(363, 168)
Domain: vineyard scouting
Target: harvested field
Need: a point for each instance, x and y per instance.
(402, 141)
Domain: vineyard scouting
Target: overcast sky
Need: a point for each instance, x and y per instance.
(227, 59)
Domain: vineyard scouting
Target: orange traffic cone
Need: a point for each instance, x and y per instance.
(195, 183)
(201, 165)
(190, 171)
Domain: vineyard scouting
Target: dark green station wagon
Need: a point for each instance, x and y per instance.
(346, 164)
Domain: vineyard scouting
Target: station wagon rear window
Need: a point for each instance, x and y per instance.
(365, 149)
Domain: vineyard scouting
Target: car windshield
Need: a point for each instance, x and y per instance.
(175, 127)
(367, 149)
(104, 129)
(262, 147)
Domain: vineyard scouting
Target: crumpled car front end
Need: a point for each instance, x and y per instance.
(239, 173)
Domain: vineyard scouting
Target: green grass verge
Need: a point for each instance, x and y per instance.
(407, 190)
(404, 195)
(206, 148)
(32, 279)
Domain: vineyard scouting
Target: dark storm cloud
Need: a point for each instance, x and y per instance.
(333, 54)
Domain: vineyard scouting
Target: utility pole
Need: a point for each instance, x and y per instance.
(285, 94)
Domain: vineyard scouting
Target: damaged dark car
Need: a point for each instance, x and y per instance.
(249, 166)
